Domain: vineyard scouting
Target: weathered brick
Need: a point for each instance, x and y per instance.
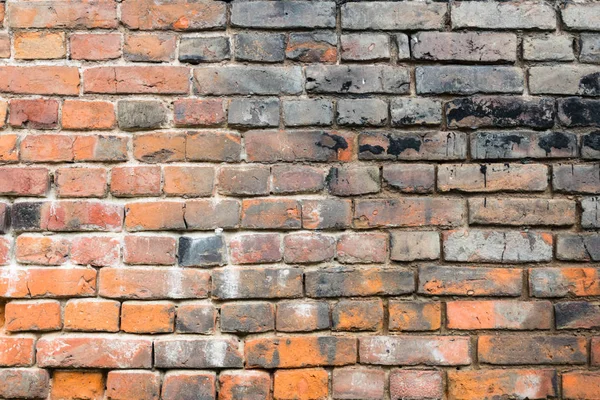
(576, 178)
(92, 315)
(33, 113)
(415, 245)
(581, 385)
(195, 317)
(414, 316)
(154, 216)
(88, 115)
(255, 248)
(498, 314)
(188, 181)
(357, 315)
(145, 47)
(500, 112)
(578, 247)
(297, 179)
(259, 47)
(414, 211)
(124, 385)
(47, 148)
(415, 384)
(357, 79)
(301, 384)
(526, 15)
(197, 50)
(254, 113)
(42, 250)
(271, 213)
(358, 383)
(67, 385)
(516, 145)
(68, 14)
(24, 181)
(492, 177)
(40, 315)
(180, 15)
(247, 317)
(199, 112)
(468, 46)
(468, 79)
(300, 351)
(39, 79)
(34, 282)
(29, 383)
(247, 80)
(147, 317)
(581, 16)
(590, 217)
(415, 111)
(318, 112)
(358, 248)
(106, 148)
(17, 351)
(548, 48)
(470, 281)
(312, 47)
(360, 112)
(155, 250)
(141, 115)
(159, 147)
(590, 48)
(378, 15)
(326, 214)
(9, 145)
(213, 146)
(136, 80)
(95, 47)
(308, 248)
(412, 146)
(201, 251)
(562, 79)
(39, 45)
(246, 384)
(590, 145)
(221, 352)
(410, 178)
(188, 385)
(352, 180)
(150, 283)
(351, 282)
(302, 316)
(285, 14)
(415, 350)
(575, 111)
(565, 281)
(93, 351)
(212, 214)
(517, 383)
(256, 283)
(504, 349)
(135, 181)
(577, 315)
(365, 46)
(97, 251)
(519, 212)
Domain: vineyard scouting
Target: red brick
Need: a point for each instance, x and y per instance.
(24, 383)
(188, 181)
(362, 248)
(255, 248)
(150, 47)
(135, 181)
(80, 182)
(414, 316)
(358, 315)
(179, 15)
(214, 146)
(68, 216)
(581, 385)
(88, 115)
(95, 47)
(301, 384)
(71, 385)
(47, 282)
(302, 316)
(159, 147)
(199, 112)
(42, 250)
(297, 179)
(109, 148)
(271, 213)
(40, 79)
(4, 43)
(9, 146)
(94, 351)
(358, 383)
(154, 216)
(92, 315)
(416, 384)
(39, 45)
(16, 351)
(5, 252)
(155, 250)
(24, 181)
(97, 251)
(47, 148)
(308, 248)
(188, 385)
(39, 315)
(62, 14)
(244, 180)
(134, 80)
(410, 178)
(152, 283)
(128, 385)
(33, 113)
(244, 385)
(147, 317)
(499, 314)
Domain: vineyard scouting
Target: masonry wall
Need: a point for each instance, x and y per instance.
(299, 200)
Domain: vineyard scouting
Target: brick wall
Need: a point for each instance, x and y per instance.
(299, 200)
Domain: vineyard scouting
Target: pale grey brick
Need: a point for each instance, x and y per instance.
(254, 112)
(416, 111)
(468, 46)
(261, 47)
(141, 114)
(417, 245)
(469, 79)
(248, 80)
(362, 112)
(283, 14)
(590, 216)
(565, 79)
(357, 79)
(519, 144)
(578, 247)
(402, 42)
(392, 15)
(509, 15)
(582, 16)
(365, 46)
(590, 48)
(548, 48)
(307, 112)
(576, 178)
(204, 49)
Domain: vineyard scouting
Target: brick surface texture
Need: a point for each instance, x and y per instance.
(299, 200)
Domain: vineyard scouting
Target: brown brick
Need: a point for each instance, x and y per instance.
(214, 146)
(260, 283)
(154, 216)
(135, 181)
(126, 385)
(30, 382)
(297, 179)
(415, 245)
(108, 148)
(358, 383)
(562, 282)
(242, 385)
(356, 248)
(519, 212)
(68, 14)
(247, 317)
(301, 316)
(255, 248)
(358, 315)
(195, 317)
(188, 385)
(188, 181)
(271, 213)
(244, 180)
(469, 281)
(178, 15)
(352, 181)
(410, 178)
(159, 147)
(576, 178)
(150, 47)
(155, 250)
(308, 248)
(205, 353)
(416, 384)
(414, 316)
(326, 214)
(211, 214)
(199, 112)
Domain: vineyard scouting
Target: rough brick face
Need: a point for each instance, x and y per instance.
(293, 199)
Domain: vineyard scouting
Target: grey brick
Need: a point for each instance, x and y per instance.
(402, 42)
(248, 80)
(378, 15)
(417, 245)
(575, 111)
(590, 48)
(469, 79)
(254, 112)
(204, 49)
(257, 283)
(590, 216)
(247, 317)
(415, 111)
(513, 144)
(362, 112)
(510, 15)
(410, 178)
(577, 315)
(306, 112)
(412, 146)
(326, 214)
(582, 16)
(136, 114)
(357, 79)
(352, 181)
(548, 48)
(312, 47)
(500, 112)
(201, 353)
(563, 281)
(195, 317)
(261, 47)
(590, 145)
(581, 178)
(302, 316)
(578, 247)
(365, 46)
(565, 79)
(201, 251)
(283, 14)
(475, 245)
(244, 180)
(468, 46)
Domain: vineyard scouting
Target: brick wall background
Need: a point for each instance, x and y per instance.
(299, 200)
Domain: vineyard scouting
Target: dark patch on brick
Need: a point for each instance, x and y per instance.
(590, 84)
(333, 142)
(556, 140)
(202, 251)
(346, 86)
(363, 148)
(592, 140)
(26, 216)
(570, 314)
(328, 348)
(400, 144)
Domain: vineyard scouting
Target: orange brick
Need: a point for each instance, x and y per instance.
(9, 144)
(159, 147)
(153, 216)
(100, 148)
(129, 385)
(5, 253)
(414, 316)
(40, 79)
(82, 115)
(499, 314)
(176, 14)
(39, 45)
(358, 315)
(144, 317)
(154, 250)
(135, 181)
(39, 315)
(80, 182)
(124, 80)
(42, 250)
(48, 282)
(62, 14)
(95, 47)
(92, 315)
(199, 112)
(16, 351)
(4, 46)
(301, 384)
(33, 113)
(77, 385)
(47, 148)
(189, 181)
(247, 384)
(150, 47)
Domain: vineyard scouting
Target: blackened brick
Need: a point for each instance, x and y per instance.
(201, 251)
